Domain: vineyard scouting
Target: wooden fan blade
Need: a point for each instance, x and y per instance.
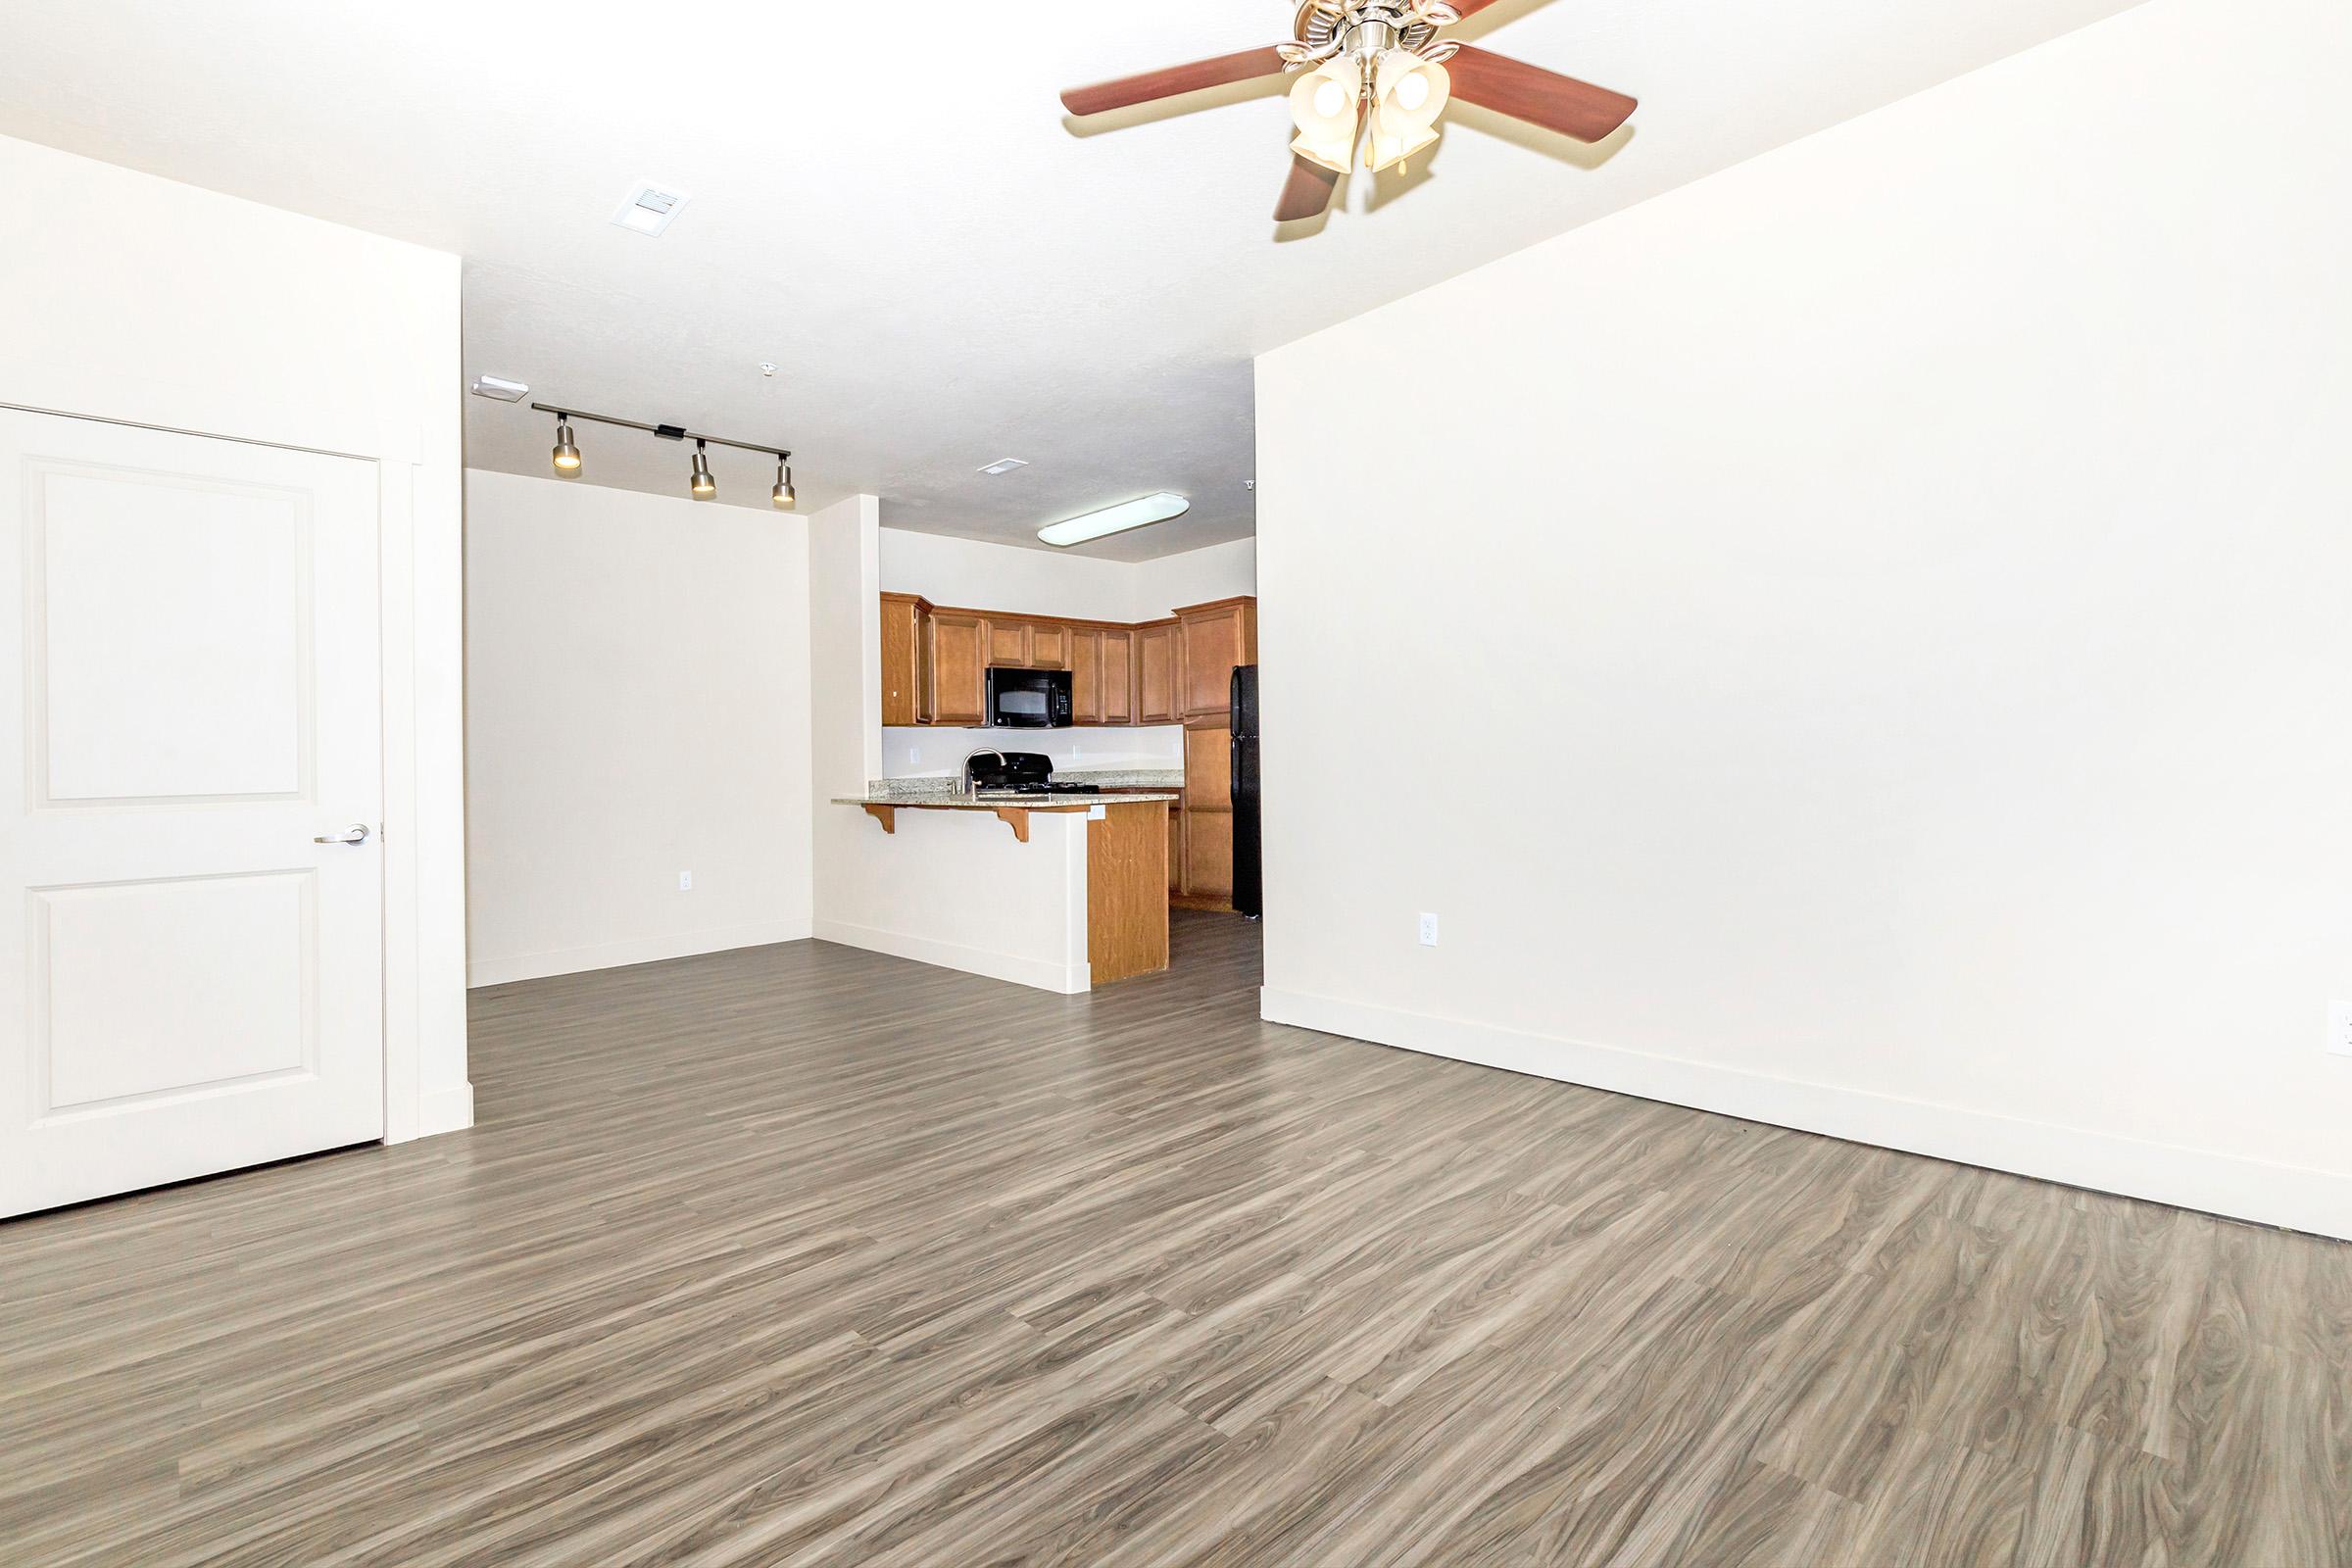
(1538, 96)
(1307, 191)
(1155, 84)
(1466, 9)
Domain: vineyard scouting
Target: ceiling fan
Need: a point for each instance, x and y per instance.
(1384, 57)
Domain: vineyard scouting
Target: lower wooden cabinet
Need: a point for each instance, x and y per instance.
(1175, 848)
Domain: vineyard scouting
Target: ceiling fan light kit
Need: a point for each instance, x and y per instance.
(1378, 65)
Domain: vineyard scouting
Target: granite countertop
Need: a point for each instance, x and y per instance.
(942, 787)
(990, 800)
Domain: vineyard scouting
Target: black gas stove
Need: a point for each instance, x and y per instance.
(993, 772)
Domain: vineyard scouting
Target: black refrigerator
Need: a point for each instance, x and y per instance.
(1248, 882)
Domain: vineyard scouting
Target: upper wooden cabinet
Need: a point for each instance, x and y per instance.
(1158, 699)
(1214, 638)
(902, 658)
(935, 662)
(1117, 653)
(1048, 645)
(954, 668)
(1008, 642)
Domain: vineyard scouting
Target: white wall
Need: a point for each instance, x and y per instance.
(1196, 578)
(1916, 562)
(950, 888)
(136, 299)
(637, 682)
(974, 576)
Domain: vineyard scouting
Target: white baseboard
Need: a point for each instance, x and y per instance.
(640, 949)
(443, 1111)
(1066, 979)
(2299, 1199)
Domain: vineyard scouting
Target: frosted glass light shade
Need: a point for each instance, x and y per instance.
(1326, 104)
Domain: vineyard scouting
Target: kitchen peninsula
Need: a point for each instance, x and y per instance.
(1112, 847)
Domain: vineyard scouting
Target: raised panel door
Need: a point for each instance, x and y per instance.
(1214, 642)
(1208, 853)
(956, 668)
(1208, 768)
(1048, 645)
(1086, 677)
(190, 981)
(901, 659)
(1008, 643)
(1117, 653)
(1155, 694)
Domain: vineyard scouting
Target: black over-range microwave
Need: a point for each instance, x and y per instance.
(1029, 699)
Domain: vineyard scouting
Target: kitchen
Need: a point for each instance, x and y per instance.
(1073, 731)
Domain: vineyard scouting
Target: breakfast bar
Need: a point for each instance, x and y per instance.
(1120, 900)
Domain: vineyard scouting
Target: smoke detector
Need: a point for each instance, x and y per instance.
(498, 387)
(1004, 465)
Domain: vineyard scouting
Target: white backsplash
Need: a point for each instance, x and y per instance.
(928, 750)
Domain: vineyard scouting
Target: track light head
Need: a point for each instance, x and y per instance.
(783, 495)
(704, 486)
(567, 451)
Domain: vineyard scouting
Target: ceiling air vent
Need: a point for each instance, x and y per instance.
(649, 208)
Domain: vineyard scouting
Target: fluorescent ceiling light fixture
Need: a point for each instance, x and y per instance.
(1006, 465)
(1116, 519)
(649, 208)
(498, 387)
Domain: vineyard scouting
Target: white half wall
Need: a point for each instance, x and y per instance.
(142, 301)
(949, 888)
(1915, 564)
(637, 683)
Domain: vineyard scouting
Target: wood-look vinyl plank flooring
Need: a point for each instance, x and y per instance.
(806, 1255)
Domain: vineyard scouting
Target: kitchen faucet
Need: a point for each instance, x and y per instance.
(986, 751)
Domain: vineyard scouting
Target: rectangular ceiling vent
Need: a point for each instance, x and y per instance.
(1006, 465)
(649, 208)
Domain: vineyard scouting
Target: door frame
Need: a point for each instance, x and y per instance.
(406, 1116)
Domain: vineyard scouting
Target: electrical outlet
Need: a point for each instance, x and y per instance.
(1429, 930)
(685, 881)
(2339, 1028)
(915, 754)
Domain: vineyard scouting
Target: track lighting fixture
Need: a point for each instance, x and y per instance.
(701, 483)
(567, 451)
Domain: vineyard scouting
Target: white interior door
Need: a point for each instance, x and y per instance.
(188, 982)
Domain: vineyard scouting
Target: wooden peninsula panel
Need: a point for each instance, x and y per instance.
(1126, 911)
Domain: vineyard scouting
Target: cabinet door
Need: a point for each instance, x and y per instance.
(1175, 847)
(1156, 695)
(1215, 641)
(1008, 642)
(901, 659)
(1117, 653)
(1209, 854)
(1048, 645)
(1086, 677)
(1208, 768)
(956, 668)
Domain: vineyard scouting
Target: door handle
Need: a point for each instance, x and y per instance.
(355, 834)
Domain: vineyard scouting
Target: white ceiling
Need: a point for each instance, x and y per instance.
(889, 202)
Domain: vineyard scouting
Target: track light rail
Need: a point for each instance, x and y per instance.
(667, 432)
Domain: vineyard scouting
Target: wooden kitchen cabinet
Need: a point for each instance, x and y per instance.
(1208, 858)
(1175, 848)
(1008, 642)
(1050, 645)
(902, 658)
(1213, 638)
(1156, 676)
(1208, 768)
(1086, 677)
(956, 668)
(1116, 650)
